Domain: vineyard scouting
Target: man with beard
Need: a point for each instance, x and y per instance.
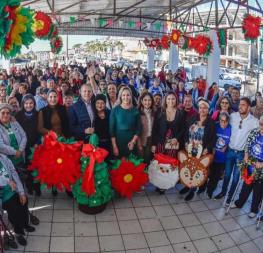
(242, 123)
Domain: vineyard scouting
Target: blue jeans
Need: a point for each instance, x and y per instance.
(232, 159)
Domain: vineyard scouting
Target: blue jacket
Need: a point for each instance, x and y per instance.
(79, 120)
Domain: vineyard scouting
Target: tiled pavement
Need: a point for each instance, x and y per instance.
(149, 223)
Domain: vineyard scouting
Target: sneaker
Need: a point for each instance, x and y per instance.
(252, 215)
(260, 218)
(184, 190)
(21, 240)
(9, 242)
(219, 196)
(34, 220)
(30, 229)
(233, 205)
(189, 196)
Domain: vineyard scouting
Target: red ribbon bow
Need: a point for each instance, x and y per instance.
(96, 155)
(161, 158)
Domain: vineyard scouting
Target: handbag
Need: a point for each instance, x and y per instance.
(169, 145)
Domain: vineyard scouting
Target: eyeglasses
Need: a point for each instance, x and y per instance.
(223, 121)
(5, 113)
(240, 124)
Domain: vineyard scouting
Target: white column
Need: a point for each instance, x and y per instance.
(150, 59)
(213, 61)
(173, 58)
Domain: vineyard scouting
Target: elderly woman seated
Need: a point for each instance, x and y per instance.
(14, 199)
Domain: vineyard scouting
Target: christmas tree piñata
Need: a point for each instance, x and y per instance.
(93, 190)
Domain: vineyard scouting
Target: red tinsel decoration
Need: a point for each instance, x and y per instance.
(128, 178)
(175, 36)
(251, 27)
(46, 23)
(247, 179)
(165, 41)
(57, 163)
(202, 44)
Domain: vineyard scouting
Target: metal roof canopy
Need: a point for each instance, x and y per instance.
(189, 13)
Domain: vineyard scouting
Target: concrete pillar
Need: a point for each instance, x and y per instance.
(173, 58)
(150, 59)
(213, 61)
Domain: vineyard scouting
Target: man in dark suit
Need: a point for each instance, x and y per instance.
(81, 115)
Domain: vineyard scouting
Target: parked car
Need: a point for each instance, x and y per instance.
(225, 81)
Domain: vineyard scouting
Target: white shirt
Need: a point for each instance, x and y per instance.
(239, 135)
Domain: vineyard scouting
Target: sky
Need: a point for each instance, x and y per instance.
(43, 45)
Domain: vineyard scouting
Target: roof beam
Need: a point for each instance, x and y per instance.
(69, 6)
(247, 5)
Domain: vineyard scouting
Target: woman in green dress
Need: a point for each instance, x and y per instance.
(125, 124)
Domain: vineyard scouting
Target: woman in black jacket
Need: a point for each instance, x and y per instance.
(53, 117)
(201, 131)
(27, 117)
(102, 122)
(168, 127)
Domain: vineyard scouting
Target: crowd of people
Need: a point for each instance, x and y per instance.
(132, 111)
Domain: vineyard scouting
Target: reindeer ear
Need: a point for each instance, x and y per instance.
(182, 156)
(206, 160)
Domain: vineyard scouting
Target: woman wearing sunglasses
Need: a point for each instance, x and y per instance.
(223, 106)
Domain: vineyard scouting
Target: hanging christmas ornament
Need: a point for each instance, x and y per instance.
(165, 41)
(42, 25)
(56, 45)
(251, 27)
(15, 29)
(131, 24)
(72, 20)
(202, 45)
(154, 43)
(157, 26)
(175, 36)
(54, 31)
(191, 42)
(222, 37)
(128, 177)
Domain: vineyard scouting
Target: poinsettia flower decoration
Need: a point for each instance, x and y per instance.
(42, 25)
(57, 163)
(128, 178)
(175, 36)
(251, 27)
(165, 41)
